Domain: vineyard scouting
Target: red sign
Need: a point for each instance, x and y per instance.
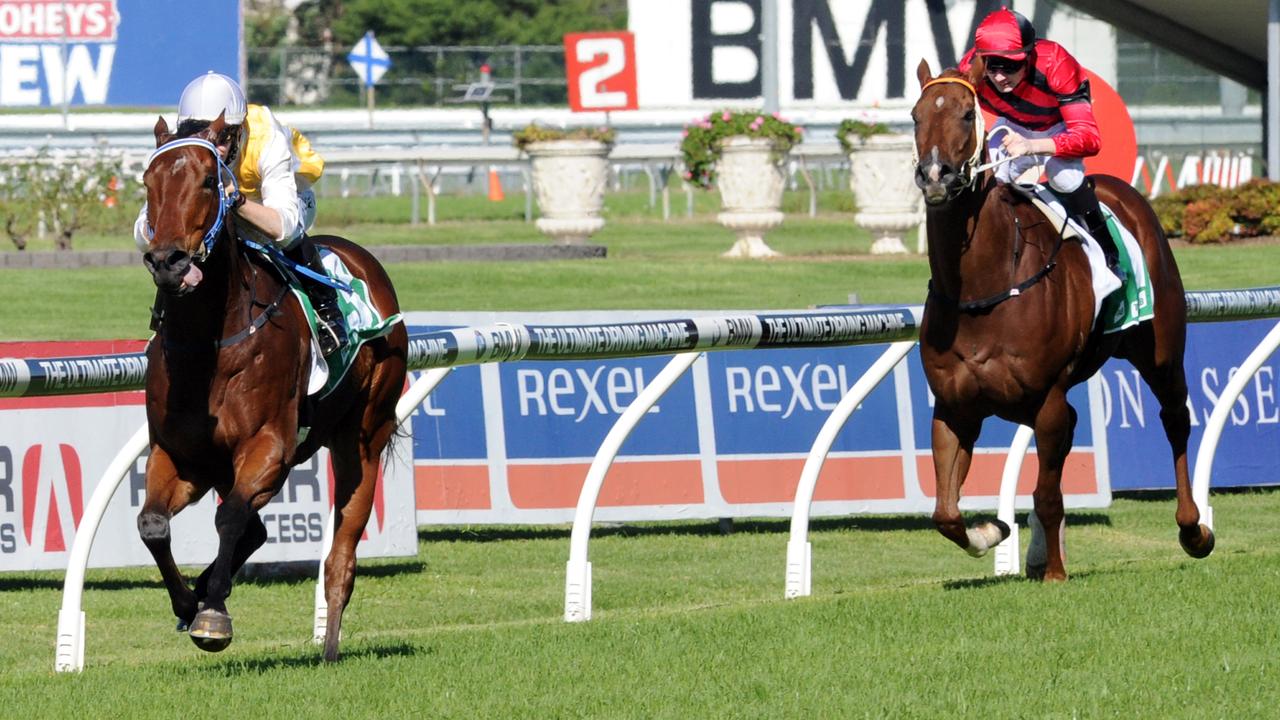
(56, 20)
(601, 69)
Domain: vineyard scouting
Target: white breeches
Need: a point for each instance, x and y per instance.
(1065, 174)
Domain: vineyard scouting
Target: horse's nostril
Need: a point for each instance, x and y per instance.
(176, 258)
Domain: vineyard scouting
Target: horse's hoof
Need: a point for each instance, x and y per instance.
(211, 630)
(1036, 571)
(1197, 541)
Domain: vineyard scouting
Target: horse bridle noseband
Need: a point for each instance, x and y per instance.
(227, 200)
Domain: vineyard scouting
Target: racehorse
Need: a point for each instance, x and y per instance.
(227, 378)
(1009, 326)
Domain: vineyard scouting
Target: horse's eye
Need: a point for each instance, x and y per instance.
(210, 182)
(968, 116)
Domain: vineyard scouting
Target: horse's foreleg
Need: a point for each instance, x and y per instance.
(952, 454)
(1055, 426)
(254, 537)
(167, 494)
(259, 469)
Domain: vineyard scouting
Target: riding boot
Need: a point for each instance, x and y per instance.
(1083, 204)
(324, 298)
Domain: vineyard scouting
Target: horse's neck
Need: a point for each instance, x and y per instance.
(217, 306)
(971, 245)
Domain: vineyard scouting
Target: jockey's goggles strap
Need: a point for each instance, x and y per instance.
(226, 178)
(971, 170)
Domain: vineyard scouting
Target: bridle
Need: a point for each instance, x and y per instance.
(226, 200)
(972, 167)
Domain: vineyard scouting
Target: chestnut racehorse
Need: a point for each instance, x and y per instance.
(227, 378)
(1009, 325)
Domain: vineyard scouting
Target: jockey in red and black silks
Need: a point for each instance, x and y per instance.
(1040, 94)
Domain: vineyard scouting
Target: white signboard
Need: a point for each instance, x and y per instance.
(830, 52)
(369, 60)
(52, 457)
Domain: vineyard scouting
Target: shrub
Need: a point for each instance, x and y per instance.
(533, 133)
(67, 191)
(862, 129)
(703, 138)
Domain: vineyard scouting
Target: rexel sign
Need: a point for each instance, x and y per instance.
(601, 71)
(110, 52)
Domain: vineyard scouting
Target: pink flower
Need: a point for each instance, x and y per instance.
(688, 175)
(758, 121)
(799, 130)
(726, 116)
(777, 115)
(685, 132)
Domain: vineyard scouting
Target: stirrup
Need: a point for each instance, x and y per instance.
(331, 330)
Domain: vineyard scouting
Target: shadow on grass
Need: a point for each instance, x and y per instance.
(707, 528)
(8, 584)
(260, 665)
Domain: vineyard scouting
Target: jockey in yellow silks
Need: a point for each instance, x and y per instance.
(275, 167)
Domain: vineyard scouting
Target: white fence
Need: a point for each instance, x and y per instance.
(687, 339)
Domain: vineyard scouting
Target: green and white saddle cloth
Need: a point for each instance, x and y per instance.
(1118, 305)
(1133, 302)
(364, 323)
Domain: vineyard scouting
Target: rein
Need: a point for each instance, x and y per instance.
(226, 178)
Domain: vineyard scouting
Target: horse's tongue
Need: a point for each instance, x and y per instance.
(193, 276)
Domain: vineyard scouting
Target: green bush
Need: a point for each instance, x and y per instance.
(700, 147)
(1213, 214)
(533, 133)
(66, 193)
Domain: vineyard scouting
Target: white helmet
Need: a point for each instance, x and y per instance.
(209, 96)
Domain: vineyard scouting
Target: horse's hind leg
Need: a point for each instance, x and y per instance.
(1162, 369)
(167, 494)
(1054, 426)
(254, 537)
(953, 441)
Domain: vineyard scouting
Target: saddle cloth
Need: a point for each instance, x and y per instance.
(364, 323)
(1117, 304)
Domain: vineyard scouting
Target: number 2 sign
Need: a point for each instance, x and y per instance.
(601, 70)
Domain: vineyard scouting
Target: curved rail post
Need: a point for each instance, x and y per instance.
(69, 650)
(1218, 419)
(1007, 555)
(799, 552)
(412, 398)
(577, 581)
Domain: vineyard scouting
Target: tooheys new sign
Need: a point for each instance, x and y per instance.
(830, 52)
(112, 52)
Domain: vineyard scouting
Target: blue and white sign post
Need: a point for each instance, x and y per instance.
(370, 62)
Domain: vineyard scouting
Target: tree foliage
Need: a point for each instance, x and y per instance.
(450, 22)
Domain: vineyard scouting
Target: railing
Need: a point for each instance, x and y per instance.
(687, 338)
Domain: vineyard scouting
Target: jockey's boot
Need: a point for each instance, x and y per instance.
(1083, 204)
(332, 328)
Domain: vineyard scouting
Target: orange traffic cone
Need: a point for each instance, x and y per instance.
(495, 185)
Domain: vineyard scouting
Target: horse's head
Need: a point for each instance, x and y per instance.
(186, 205)
(949, 131)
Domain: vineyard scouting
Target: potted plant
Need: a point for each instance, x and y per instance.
(880, 176)
(744, 154)
(569, 167)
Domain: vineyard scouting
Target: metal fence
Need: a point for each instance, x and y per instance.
(420, 75)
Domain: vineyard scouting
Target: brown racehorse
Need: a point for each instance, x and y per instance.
(988, 351)
(226, 380)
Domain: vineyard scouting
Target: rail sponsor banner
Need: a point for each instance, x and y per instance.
(512, 442)
(1249, 450)
(831, 52)
(54, 450)
(111, 52)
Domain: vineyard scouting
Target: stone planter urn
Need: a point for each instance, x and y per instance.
(751, 178)
(880, 175)
(568, 180)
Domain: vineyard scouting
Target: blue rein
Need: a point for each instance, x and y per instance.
(225, 178)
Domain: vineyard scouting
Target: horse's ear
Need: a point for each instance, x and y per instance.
(923, 74)
(977, 69)
(161, 131)
(215, 128)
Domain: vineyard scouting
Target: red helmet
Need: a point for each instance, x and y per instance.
(1006, 34)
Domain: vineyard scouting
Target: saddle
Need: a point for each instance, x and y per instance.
(1117, 304)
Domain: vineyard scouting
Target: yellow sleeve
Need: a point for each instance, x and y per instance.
(310, 164)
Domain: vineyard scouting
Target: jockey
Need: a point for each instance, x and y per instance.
(275, 168)
(1041, 95)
